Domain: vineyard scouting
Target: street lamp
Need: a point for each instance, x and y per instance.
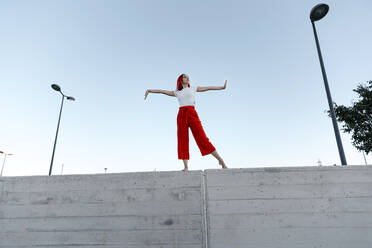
(57, 88)
(317, 13)
(365, 160)
(5, 154)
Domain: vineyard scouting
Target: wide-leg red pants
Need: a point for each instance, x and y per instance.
(187, 117)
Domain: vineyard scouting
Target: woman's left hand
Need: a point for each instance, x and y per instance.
(224, 87)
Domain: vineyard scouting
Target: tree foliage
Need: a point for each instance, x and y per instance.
(357, 119)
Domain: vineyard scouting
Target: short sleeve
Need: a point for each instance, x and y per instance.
(175, 92)
(195, 88)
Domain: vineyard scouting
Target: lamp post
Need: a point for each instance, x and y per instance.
(5, 154)
(317, 13)
(57, 88)
(365, 160)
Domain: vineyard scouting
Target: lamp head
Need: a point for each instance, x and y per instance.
(318, 12)
(56, 87)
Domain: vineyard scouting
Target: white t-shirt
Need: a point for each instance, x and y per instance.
(186, 96)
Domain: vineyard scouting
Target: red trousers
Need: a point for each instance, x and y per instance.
(187, 117)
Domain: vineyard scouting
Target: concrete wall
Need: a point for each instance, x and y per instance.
(290, 207)
(268, 207)
(145, 209)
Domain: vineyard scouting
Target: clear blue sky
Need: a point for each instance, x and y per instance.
(107, 53)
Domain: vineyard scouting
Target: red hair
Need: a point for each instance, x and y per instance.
(179, 82)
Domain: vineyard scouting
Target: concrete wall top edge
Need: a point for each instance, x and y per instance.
(196, 172)
(149, 173)
(292, 168)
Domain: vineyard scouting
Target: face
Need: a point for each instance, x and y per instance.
(185, 79)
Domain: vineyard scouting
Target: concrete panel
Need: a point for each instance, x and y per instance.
(290, 207)
(141, 209)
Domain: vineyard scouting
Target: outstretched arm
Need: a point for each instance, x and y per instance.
(205, 88)
(165, 92)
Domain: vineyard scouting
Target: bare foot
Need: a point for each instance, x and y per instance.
(221, 162)
(186, 169)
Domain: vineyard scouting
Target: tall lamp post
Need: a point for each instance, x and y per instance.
(317, 13)
(5, 154)
(57, 88)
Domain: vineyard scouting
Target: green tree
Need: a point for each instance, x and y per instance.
(357, 119)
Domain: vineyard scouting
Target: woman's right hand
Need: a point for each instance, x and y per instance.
(147, 92)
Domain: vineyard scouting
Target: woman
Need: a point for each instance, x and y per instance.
(187, 117)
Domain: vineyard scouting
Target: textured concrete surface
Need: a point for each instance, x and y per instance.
(300, 207)
(142, 209)
(263, 207)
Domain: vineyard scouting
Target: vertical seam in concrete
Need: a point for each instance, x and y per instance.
(2, 186)
(205, 211)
